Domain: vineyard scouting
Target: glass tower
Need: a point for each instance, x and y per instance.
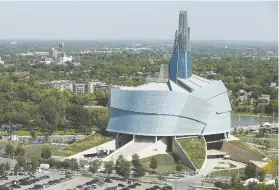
(180, 64)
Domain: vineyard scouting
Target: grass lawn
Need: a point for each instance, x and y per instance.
(30, 149)
(166, 163)
(27, 133)
(246, 147)
(195, 149)
(84, 144)
(36, 149)
(227, 173)
(273, 139)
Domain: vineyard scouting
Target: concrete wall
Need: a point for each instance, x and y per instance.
(205, 159)
(158, 147)
(178, 151)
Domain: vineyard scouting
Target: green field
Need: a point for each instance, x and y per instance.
(227, 173)
(166, 163)
(195, 149)
(273, 139)
(84, 144)
(30, 149)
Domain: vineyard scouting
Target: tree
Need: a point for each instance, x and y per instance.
(153, 163)
(9, 150)
(261, 175)
(34, 164)
(2, 169)
(135, 160)
(179, 166)
(19, 150)
(109, 167)
(250, 170)
(276, 183)
(21, 161)
(46, 152)
(7, 166)
(141, 170)
(123, 167)
(94, 167)
(16, 168)
(33, 134)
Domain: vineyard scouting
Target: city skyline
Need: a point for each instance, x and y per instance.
(138, 20)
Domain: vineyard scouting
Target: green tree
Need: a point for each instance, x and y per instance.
(33, 134)
(2, 169)
(7, 166)
(261, 175)
(46, 152)
(233, 180)
(16, 168)
(109, 167)
(9, 150)
(179, 166)
(34, 164)
(19, 151)
(21, 161)
(250, 170)
(141, 170)
(94, 167)
(123, 167)
(99, 117)
(135, 161)
(153, 163)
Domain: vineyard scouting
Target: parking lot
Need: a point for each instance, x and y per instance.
(53, 180)
(83, 183)
(37, 179)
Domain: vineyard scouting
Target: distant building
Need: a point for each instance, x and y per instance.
(1, 62)
(61, 85)
(47, 60)
(265, 97)
(54, 53)
(87, 88)
(65, 58)
(272, 84)
(61, 45)
(84, 88)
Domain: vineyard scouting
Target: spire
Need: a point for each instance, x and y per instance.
(180, 64)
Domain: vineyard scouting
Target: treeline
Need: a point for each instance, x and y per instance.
(33, 107)
(249, 75)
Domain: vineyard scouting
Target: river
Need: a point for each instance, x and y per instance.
(251, 120)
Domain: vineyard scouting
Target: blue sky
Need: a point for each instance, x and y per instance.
(209, 20)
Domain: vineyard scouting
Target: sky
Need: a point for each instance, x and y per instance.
(138, 20)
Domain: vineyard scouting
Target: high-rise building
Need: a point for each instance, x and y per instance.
(180, 65)
(54, 53)
(61, 45)
(1, 62)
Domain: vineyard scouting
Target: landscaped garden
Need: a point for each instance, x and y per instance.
(82, 145)
(166, 163)
(195, 149)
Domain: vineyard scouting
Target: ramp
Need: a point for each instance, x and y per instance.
(128, 150)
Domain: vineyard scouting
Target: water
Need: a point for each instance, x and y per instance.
(251, 120)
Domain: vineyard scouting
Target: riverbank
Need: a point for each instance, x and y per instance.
(251, 114)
